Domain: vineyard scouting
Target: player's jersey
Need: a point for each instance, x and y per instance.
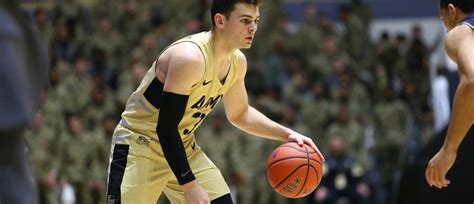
(469, 21)
(143, 107)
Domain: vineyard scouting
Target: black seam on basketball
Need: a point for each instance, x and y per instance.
(283, 180)
(310, 166)
(315, 171)
(307, 171)
(317, 174)
(286, 145)
(286, 158)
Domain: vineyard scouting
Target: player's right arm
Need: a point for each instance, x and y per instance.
(459, 47)
(180, 67)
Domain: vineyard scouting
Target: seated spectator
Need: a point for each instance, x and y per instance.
(343, 180)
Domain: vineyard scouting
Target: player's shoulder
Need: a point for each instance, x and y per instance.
(240, 54)
(241, 57)
(186, 60)
(242, 62)
(458, 38)
(458, 34)
(186, 52)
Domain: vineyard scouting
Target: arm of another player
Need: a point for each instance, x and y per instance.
(185, 68)
(247, 118)
(459, 43)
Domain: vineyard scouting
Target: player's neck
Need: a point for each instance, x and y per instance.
(463, 16)
(221, 49)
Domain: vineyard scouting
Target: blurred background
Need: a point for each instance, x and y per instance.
(369, 81)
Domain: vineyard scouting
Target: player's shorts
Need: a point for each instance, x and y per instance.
(139, 172)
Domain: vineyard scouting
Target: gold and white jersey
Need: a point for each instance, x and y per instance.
(143, 107)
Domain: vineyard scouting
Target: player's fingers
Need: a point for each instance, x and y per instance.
(320, 154)
(436, 180)
(316, 149)
(299, 141)
(447, 181)
(309, 142)
(433, 177)
(428, 177)
(442, 179)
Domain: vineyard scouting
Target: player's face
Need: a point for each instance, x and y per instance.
(242, 24)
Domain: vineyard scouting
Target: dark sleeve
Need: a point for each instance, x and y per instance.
(171, 112)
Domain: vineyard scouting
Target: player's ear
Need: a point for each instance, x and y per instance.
(220, 20)
(453, 11)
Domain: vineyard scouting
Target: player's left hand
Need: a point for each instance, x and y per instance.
(301, 139)
(438, 166)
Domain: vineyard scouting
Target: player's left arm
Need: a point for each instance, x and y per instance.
(463, 110)
(249, 119)
(459, 43)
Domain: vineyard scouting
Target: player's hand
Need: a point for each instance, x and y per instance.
(195, 194)
(438, 166)
(301, 139)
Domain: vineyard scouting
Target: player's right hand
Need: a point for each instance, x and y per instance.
(438, 166)
(195, 194)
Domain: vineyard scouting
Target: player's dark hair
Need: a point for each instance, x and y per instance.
(226, 6)
(466, 6)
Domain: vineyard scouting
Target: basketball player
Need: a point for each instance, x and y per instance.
(458, 17)
(23, 73)
(154, 148)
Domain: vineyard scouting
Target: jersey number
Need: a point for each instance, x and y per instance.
(199, 116)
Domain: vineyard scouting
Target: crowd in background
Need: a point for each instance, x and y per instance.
(364, 103)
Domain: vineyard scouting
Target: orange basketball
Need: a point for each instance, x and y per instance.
(294, 171)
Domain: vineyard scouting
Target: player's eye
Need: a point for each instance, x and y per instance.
(245, 21)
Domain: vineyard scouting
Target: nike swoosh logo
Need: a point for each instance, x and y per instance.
(185, 173)
(206, 83)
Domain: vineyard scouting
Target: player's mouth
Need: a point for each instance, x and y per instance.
(250, 38)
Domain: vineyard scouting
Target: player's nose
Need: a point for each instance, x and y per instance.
(252, 28)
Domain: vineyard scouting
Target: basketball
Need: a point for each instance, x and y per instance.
(294, 171)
